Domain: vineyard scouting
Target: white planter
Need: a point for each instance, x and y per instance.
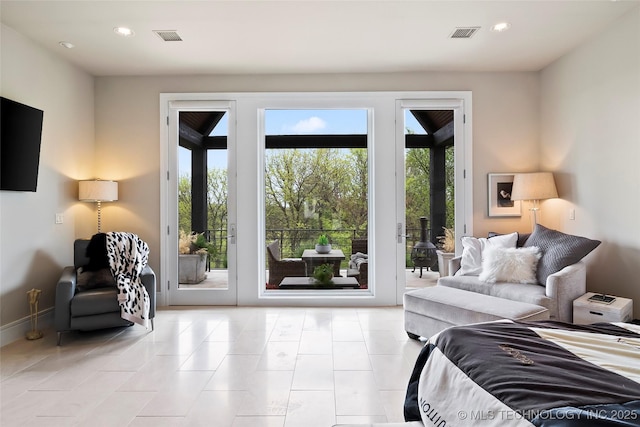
(191, 268)
(443, 262)
(323, 249)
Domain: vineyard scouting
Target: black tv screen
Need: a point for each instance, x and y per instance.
(20, 135)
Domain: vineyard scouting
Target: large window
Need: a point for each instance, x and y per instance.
(316, 183)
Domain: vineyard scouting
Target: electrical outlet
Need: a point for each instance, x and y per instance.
(59, 218)
(572, 214)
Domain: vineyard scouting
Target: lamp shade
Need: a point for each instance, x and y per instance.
(533, 186)
(98, 191)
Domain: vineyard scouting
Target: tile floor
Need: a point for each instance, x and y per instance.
(212, 366)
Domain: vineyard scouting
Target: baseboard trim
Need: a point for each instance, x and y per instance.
(17, 329)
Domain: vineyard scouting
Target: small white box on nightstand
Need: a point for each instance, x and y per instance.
(586, 312)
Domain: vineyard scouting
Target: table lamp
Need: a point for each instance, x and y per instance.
(534, 186)
(98, 191)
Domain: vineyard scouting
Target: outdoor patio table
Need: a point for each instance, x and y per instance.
(309, 283)
(314, 259)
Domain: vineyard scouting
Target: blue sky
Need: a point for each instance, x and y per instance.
(298, 122)
(304, 122)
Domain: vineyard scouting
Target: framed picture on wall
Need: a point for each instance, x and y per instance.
(499, 197)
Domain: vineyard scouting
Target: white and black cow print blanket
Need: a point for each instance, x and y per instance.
(128, 255)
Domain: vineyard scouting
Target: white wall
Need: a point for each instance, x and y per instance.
(505, 134)
(590, 138)
(33, 249)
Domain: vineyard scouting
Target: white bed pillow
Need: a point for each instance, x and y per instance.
(513, 265)
(473, 248)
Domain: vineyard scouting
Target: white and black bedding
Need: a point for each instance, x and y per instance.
(522, 374)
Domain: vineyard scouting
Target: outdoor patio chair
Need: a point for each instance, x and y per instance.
(359, 267)
(280, 268)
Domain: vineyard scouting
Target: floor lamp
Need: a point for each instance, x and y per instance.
(534, 186)
(98, 191)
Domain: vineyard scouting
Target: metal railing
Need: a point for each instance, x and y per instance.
(294, 241)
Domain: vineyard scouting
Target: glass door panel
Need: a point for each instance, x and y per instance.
(428, 188)
(205, 213)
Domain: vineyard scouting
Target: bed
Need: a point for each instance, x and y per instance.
(544, 373)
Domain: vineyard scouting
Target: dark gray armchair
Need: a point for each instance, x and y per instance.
(95, 308)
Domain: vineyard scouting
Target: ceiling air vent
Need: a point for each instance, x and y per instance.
(168, 35)
(464, 32)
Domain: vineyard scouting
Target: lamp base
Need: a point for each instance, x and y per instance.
(34, 335)
(533, 217)
(534, 213)
(99, 217)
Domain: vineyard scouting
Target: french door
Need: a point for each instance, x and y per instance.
(244, 230)
(201, 179)
(432, 165)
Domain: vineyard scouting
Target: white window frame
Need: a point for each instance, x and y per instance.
(382, 107)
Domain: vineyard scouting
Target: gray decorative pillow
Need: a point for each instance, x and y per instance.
(87, 280)
(558, 250)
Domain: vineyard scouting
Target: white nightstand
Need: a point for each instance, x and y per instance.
(586, 312)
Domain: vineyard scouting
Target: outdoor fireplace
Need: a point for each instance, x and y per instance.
(424, 253)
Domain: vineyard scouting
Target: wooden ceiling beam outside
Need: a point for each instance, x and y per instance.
(316, 141)
(189, 138)
(423, 119)
(319, 141)
(444, 137)
(414, 140)
(436, 136)
(215, 119)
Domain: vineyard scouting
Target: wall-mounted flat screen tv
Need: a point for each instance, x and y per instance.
(20, 136)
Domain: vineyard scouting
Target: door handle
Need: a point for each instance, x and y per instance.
(232, 234)
(399, 232)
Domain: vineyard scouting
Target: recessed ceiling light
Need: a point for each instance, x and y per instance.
(124, 31)
(67, 45)
(500, 27)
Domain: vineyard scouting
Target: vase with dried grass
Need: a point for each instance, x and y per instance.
(447, 250)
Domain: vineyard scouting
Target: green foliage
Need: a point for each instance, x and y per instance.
(417, 186)
(216, 212)
(184, 202)
(315, 189)
(323, 274)
(323, 240)
(202, 243)
(352, 208)
(304, 244)
(450, 183)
